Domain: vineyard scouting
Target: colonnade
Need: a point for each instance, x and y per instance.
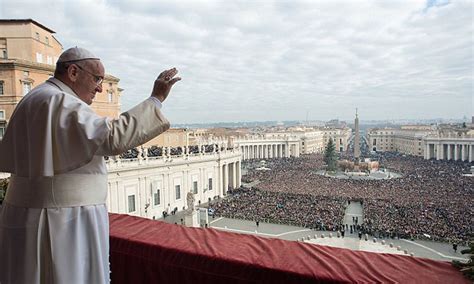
(457, 150)
(270, 150)
(231, 176)
(264, 151)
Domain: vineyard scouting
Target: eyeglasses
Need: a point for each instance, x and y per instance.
(98, 79)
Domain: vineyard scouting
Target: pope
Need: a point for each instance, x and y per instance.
(54, 222)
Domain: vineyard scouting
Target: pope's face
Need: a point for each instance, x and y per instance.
(89, 80)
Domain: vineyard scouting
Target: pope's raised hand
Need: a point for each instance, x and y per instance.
(163, 84)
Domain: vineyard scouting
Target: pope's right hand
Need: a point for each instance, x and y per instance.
(163, 84)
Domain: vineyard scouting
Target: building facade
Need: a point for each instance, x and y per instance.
(340, 137)
(149, 186)
(406, 140)
(28, 55)
(424, 141)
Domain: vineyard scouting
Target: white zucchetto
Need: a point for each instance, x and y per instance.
(76, 54)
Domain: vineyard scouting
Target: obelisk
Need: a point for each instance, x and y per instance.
(356, 139)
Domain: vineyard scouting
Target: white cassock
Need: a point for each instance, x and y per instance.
(54, 223)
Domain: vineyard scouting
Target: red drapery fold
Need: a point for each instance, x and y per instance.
(147, 251)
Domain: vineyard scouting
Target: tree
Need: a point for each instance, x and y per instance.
(330, 155)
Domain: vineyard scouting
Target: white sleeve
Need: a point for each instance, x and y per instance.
(133, 128)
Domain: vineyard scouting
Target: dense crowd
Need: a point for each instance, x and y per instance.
(431, 199)
(287, 208)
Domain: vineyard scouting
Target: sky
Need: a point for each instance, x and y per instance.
(277, 60)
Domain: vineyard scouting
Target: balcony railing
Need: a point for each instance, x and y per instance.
(117, 162)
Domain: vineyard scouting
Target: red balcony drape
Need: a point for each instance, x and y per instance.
(147, 251)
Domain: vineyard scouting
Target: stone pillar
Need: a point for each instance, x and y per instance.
(427, 151)
(449, 152)
(463, 152)
(239, 174)
(471, 153)
(226, 178)
(456, 152)
(234, 175)
(467, 151)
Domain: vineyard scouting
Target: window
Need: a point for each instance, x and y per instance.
(26, 74)
(178, 191)
(2, 114)
(195, 187)
(1, 87)
(49, 60)
(2, 131)
(3, 47)
(46, 39)
(210, 183)
(37, 35)
(39, 57)
(26, 88)
(111, 96)
(131, 203)
(156, 197)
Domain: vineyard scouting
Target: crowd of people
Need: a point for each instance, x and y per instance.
(309, 211)
(432, 199)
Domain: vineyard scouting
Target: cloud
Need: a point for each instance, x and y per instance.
(277, 60)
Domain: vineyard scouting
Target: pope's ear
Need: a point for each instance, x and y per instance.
(72, 72)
